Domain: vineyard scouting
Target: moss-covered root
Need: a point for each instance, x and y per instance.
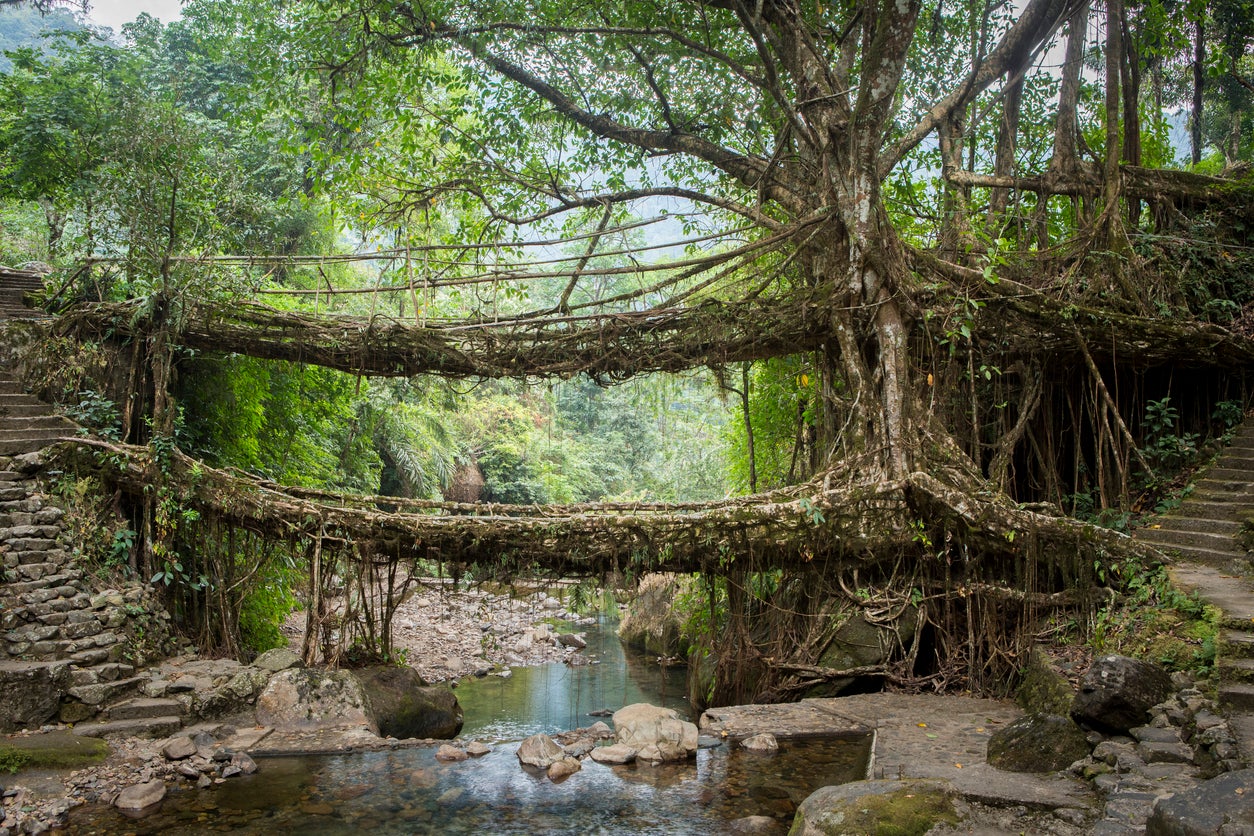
(878, 808)
(55, 750)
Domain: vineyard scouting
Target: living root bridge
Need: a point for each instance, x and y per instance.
(810, 528)
(605, 346)
(1021, 319)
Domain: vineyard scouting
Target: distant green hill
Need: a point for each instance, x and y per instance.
(25, 26)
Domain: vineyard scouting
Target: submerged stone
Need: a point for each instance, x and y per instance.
(140, 799)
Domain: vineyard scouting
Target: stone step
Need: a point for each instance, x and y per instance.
(23, 424)
(1223, 490)
(1203, 525)
(1237, 644)
(1242, 726)
(22, 410)
(1234, 594)
(13, 398)
(1212, 510)
(20, 446)
(150, 727)
(1205, 557)
(1237, 697)
(1239, 475)
(1239, 501)
(1236, 669)
(1170, 538)
(104, 693)
(142, 708)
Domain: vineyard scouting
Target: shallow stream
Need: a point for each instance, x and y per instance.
(408, 791)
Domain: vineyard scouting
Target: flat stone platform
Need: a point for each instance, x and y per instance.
(916, 736)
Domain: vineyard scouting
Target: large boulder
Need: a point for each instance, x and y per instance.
(1037, 743)
(1227, 800)
(652, 623)
(911, 807)
(312, 698)
(404, 706)
(657, 734)
(32, 693)
(1117, 693)
(858, 642)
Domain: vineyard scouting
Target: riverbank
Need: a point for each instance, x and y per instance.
(445, 631)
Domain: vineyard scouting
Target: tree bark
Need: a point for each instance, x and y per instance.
(1199, 85)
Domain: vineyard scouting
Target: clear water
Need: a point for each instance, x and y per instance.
(409, 792)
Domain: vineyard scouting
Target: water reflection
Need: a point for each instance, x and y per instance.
(408, 791)
(554, 698)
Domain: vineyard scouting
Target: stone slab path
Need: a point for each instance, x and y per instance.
(1201, 539)
(916, 736)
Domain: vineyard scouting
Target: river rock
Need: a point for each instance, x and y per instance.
(244, 763)
(571, 640)
(1117, 693)
(657, 734)
(448, 752)
(402, 705)
(1037, 743)
(540, 750)
(763, 743)
(139, 799)
(312, 698)
(754, 826)
(614, 754)
(1221, 805)
(278, 659)
(477, 749)
(179, 748)
(563, 768)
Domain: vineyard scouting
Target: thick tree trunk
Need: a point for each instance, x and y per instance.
(1199, 83)
(1004, 162)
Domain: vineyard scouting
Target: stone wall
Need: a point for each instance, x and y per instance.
(54, 616)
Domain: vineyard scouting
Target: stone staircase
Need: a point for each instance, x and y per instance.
(27, 424)
(1201, 537)
(15, 287)
(66, 641)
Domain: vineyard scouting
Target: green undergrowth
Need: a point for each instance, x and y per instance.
(1147, 617)
(50, 751)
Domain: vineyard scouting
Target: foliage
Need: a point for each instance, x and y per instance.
(102, 541)
(1152, 619)
(266, 605)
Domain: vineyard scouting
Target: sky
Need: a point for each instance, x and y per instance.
(114, 13)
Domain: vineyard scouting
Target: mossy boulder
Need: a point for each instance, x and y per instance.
(858, 642)
(654, 623)
(1037, 743)
(1044, 689)
(875, 808)
(404, 706)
